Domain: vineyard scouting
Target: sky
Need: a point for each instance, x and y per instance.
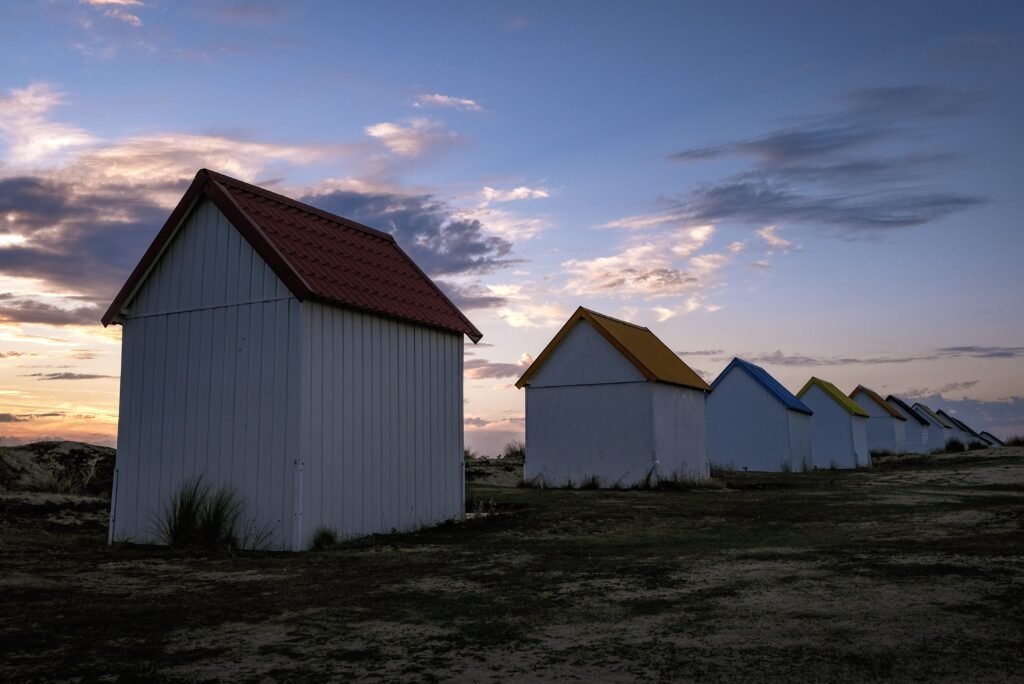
(828, 189)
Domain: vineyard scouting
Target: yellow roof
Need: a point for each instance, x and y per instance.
(644, 350)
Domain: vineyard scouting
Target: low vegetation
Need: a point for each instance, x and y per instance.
(909, 573)
(199, 515)
(514, 451)
(1015, 440)
(323, 539)
(954, 446)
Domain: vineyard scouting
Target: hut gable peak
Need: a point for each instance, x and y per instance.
(831, 391)
(637, 344)
(319, 256)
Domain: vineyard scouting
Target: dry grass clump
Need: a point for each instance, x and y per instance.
(201, 516)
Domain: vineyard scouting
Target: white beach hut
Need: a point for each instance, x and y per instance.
(839, 436)
(754, 423)
(916, 426)
(607, 401)
(298, 358)
(939, 431)
(887, 428)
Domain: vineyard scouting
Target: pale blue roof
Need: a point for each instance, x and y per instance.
(765, 379)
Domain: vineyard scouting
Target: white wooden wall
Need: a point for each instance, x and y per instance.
(209, 382)
(590, 412)
(381, 430)
(800, 449)
(748, 427)
(679, 416)
(916, 434)
(838, 439)
(938, 434)
(885, 433)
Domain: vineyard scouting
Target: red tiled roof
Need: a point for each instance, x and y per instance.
(318, 255)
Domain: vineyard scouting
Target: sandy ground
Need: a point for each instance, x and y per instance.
(908, 572)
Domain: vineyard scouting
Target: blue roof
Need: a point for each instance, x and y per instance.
(765, 379)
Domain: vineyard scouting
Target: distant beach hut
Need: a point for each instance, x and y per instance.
(608, 403)
(969, 435)
(839, 436)
(754, 423)
(992, 439)
(916, 426)
(296, 357)
(887, 427)
(940, 431)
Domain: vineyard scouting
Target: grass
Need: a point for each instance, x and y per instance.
(1014, 440)
(954, 446)
(200, 516)
(909, 573)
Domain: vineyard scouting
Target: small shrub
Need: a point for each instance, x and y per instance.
(975, 445)
(481, 508)
(1014, 440)
(592, 482)
(785, 466)
(514, 451)
(469, 455)
(955, 446)
(198, 516)
(324, 538)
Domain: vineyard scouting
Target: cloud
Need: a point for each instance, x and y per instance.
(773, 240)
(983, 352)
(1002, 418)
(701, 352)
(826, 171)
(9, 418)
(411, 139)
(68, 376)
(478, 369)
(122, 15)
(438, 100)
(669, 264)
(945, 389)
(14, 354)
(29, 136)
(522, 192)
(471, 296)
(19, 310)
(105, 3)
(526, 314)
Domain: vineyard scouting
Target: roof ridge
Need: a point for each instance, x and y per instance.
(612, 318)
(218, 177)
(768, 382)
(877, 398)
(834, 393)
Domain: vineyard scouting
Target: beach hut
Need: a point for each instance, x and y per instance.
(839, 437)
(887, 427)
(298, 358)
(608, 403)
(939, 430)
(916, 426)
(754, 423)
(968, 435)
(992, 439)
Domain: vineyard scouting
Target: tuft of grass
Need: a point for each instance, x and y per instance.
(199, 516)
(514, 451)
(955, 446)
(323, 539)
(469, 455)
(592, 482)
(1014, 440)
(975, 445)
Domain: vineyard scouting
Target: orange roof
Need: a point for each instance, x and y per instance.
(644, 350)
(877, 397)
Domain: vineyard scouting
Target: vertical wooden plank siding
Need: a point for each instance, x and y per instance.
(209, 371)
(385, 445)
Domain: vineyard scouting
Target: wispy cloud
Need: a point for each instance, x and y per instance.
(522, 192)
(478, 369)
(29, 136)
(780, 358)
(68, 376)
(668, 264)
(774, 241)
(411, 138)
(827, 170)
(438, 100)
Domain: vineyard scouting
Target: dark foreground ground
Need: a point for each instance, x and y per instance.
(912, 571)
